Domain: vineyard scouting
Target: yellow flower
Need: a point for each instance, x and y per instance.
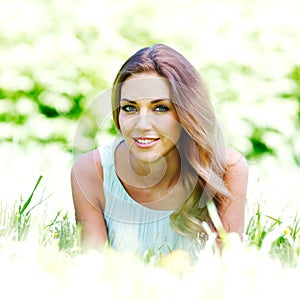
(287, 231)
(176, 262)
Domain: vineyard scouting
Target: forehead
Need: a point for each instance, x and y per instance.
(145, 85)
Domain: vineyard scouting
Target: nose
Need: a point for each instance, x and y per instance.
(144, 122)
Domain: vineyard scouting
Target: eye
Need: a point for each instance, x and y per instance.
(128, 108)
(161, 108)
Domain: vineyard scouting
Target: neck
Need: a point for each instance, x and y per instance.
(163, 171)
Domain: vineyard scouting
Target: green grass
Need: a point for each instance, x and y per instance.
(47, 251)
(16, 224)
(279, 237)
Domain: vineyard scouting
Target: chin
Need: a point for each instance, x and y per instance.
(149, 158)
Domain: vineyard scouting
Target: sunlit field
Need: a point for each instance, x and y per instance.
(57, 57)
(41, 254)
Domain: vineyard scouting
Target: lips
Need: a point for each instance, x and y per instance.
(145, 141)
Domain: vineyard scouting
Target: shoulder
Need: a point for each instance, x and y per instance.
(87, 179)
(236, 173)
(235, 161)
(88, 164)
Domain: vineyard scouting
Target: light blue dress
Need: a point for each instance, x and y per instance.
(132, 226)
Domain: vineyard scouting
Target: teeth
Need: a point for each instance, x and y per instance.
(145, 141)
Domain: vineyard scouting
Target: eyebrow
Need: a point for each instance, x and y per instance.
(154, 101)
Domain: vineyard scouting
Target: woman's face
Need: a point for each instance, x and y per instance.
(148, 119)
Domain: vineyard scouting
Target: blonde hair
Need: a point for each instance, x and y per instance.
(201, 144)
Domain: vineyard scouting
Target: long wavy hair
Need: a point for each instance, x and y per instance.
(201, 144)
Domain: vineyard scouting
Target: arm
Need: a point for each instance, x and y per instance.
(236, 179)
(88, 199)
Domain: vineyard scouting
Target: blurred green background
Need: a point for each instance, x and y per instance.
(56, 57)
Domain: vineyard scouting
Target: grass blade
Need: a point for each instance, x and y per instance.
(21, 211)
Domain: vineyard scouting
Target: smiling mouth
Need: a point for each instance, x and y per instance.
(145, 141)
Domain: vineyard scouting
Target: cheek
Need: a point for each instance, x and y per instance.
(172, 130)
(177, 132)
(121, 124)
(125, 123)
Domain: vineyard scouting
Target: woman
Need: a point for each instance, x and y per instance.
(148, 191)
